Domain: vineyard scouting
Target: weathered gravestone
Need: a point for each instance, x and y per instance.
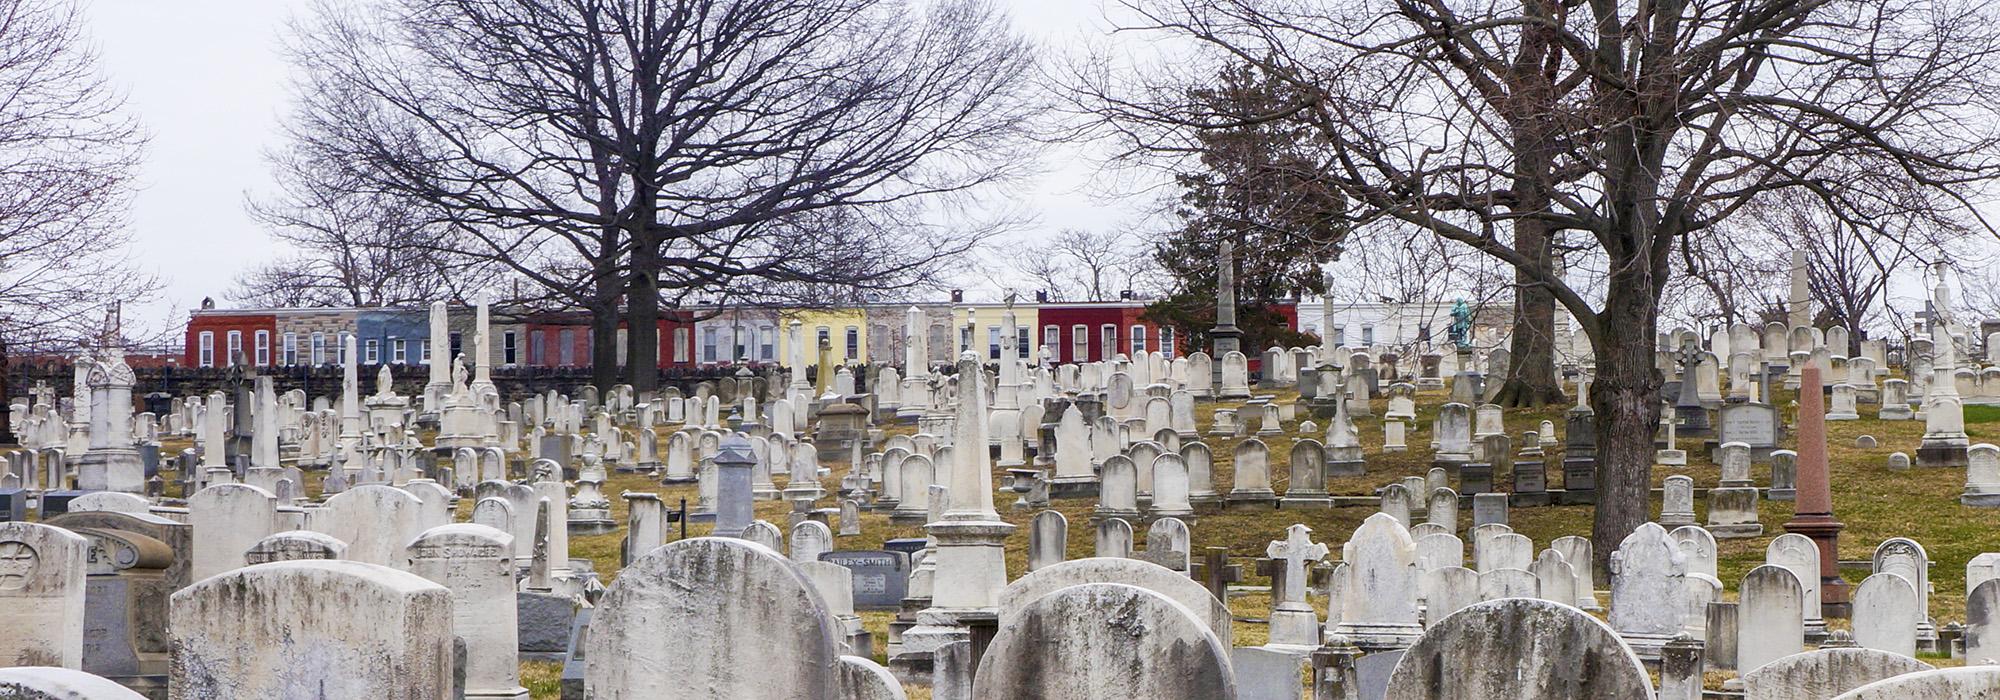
(1824, 673)
(125, 625)
(477, 563)
(682, 621)
(375, 521)
(1105, 640)
(1647, 584)
(47, 683)
(1756, 425)
(881, 578)
(1982, 622)
(1197, 599)
(42, 585)
(228, 519)
(295, 545)
(1885, 614)
(1770, 619)
(1519, 648)
(1967, 683)
(309, 629)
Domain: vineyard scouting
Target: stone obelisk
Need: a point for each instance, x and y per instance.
(1225, 337)
(1814, 512)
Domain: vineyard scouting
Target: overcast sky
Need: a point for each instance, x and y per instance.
(207, 79)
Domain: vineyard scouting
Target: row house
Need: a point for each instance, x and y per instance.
(222, 338)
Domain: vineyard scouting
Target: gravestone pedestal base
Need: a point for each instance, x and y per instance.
(1294, 628)
(1376, 636)
(1072, 487)
(1732, 513)
(111, 469)
(1981, 496)
(1305, 498)
(1263, 499)
(1942, 452)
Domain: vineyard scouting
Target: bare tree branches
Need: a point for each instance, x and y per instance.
(1085, 265)
(1657, 122)
(664, 147)
(351, 247)
(67, 155)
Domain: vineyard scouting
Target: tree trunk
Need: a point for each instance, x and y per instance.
(1531, 374)
(1531, 378)
(1626, 397)
(604, 334)
(642, 314)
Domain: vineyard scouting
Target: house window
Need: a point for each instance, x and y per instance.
(291, 349)
(1367, 335)
(398, 352)
(341, 353)
(853, 343)
(538, 348)
(235, 347)
(1138, 340)
(708, 344)
(1079, 339)
(767, 343)
(993, 342)
(319, 349)
(964, 339)
(457, 348)
(509, 348)
(1424, 333)
(825, 339)
(566, 347)
(374, 352)
(1339, 336)
(206, 350)
(1052, 337)
(263, 348)
(680, 346)
(1167, 341)
(1108, 340)
(1021, 339)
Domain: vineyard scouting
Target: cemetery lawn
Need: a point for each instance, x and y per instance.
(1873, 502)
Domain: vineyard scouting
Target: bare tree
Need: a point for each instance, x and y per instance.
(1420, 275)
(350, 246)
(1663, 120)
(1737, 274)
(1849, 268)
(68, 151)
(1083, 265)
(622, 152)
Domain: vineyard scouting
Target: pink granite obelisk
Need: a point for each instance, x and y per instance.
(1813, 516)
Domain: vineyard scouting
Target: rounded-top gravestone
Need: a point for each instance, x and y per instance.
(1017, 596)
(299, 629)
(1105, 640)
(1824, 673)
(1519, 648)
(52, 683)
(1964, 683)
(711, 617)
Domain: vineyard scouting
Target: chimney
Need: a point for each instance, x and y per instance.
(1042, 296)
(958, 296)
(1125, 294)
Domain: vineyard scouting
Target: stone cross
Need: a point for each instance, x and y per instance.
(1298, 552)
(1216, 573)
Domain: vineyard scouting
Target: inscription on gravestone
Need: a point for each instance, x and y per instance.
(881, 578)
